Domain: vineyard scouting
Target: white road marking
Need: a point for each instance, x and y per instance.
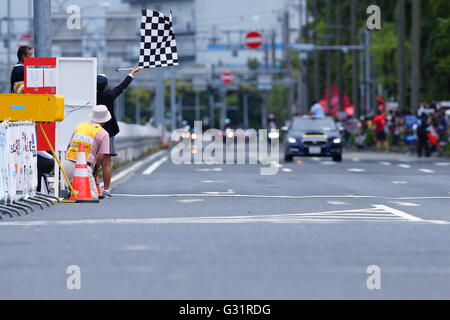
(356, 159)
(137, 247)
(385, 163)
(286, 170)
(213, 181)
(401, 214)
(327, 163)
(442, 164)
(426, 170)
(356, 170)
(209, 170)
(404, 166)
(259, 196)
(154, 166)
(338, 203)
(378, 213)
(315, 159)
(229, 191)
(191, 200)
(136, 166)
(399, 182)
(406, 204)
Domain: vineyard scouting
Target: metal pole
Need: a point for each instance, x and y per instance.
(211, 110)
(197, 105)
(42, 28)
(173, 103)
(264, 109)
(138, 107)
(8, 36)
(245, 107)
(401, 91)
(354, 59)
(273, 44)
(368, 64)
(159, 97)
(415, 63)
(328, 56)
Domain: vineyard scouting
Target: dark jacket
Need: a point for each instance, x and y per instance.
(16, 75)
(107, 98)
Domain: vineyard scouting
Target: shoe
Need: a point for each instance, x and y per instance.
(107, 194)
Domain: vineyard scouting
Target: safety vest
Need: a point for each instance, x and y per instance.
(84, 133)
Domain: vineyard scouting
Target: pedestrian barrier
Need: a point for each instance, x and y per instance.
(18, 169)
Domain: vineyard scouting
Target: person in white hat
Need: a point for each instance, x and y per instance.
(96, 144)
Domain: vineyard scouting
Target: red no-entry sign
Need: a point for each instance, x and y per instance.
(253, 40)
(227, 77)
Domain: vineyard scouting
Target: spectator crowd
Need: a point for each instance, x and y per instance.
(424, 133)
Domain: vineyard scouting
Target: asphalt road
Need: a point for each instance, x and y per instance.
(227, 232)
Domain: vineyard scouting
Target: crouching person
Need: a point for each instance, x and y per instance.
(96, 145)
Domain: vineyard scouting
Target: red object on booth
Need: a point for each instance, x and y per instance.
(43, 82)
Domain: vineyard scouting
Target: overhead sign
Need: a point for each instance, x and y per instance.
(253, 40)
(227, 77)
(264, 82)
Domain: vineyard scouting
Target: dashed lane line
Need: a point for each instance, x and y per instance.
(406, 204)
(356, 170)
(190, 200)
(404, 166)
(399, 182)
(136, 166)
(154, 166)
(426, 170)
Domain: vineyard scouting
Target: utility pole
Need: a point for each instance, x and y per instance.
(355, 99)
(287, 59)
(245, 109)
(340, 74)
(273, 44)
(328, 55)
(415, 69)
(197, 105)
(173, 103)
(42, 28)
(223, 113)
(159, 97)
(138, 106)
(302, 90)
(211, 109)
(8, 36)
(316, 54)
(401, 91)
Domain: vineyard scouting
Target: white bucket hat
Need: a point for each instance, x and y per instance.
(100, 114)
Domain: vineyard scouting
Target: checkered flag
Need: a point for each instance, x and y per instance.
(158, 45)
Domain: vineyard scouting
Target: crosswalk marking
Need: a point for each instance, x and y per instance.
(378, 213)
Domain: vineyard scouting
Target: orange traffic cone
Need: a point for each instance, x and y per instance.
(80, 181)
(99, 188)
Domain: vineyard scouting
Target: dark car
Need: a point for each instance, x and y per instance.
(313, 136)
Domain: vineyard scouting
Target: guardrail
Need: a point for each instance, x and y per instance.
(134, 140)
